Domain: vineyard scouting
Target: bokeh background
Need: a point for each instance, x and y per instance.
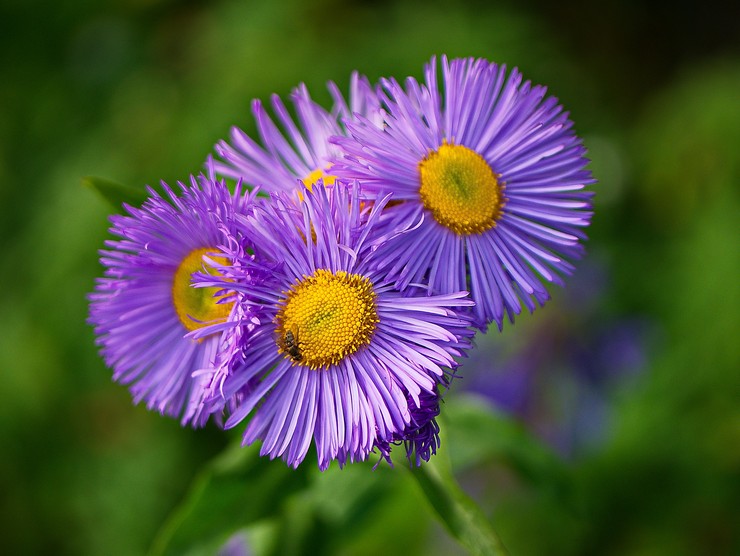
(629, 378)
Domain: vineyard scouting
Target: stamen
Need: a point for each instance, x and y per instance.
(460, 189)
(326, 317)
(319, 173)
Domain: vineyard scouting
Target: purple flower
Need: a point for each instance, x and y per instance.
(491, 173)
(236, 545)
(144, 306)
(561, 376)
(297, 152)
(421, 435)
(340, 357)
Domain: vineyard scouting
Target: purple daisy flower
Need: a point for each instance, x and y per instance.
(144, 306)
(300, 152)
(492, 174)
(340, 357)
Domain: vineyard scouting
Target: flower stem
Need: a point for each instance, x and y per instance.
(460, 515)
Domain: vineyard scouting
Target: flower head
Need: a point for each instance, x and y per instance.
(492, 174)
(144, 306)
(299, 152)
(340, 358)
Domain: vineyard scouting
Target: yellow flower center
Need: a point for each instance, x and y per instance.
(460, 189)
(197, 307)
(309, 182)
(320, 173)
(325, 317)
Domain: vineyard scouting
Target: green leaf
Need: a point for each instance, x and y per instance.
(237, 489)
(477, 433)
(116, 193)
(343, 505)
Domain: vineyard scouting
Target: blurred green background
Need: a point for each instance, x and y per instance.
(630, 377)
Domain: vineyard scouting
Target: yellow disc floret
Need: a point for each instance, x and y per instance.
(460, 189)
(325, 317)
(197, 307)
(320, 173)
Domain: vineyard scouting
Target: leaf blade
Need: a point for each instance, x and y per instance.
(236, 489)
(116, 194)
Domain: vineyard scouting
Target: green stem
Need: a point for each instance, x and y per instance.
(460, 515)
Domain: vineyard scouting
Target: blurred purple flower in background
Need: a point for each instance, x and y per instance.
(559, 375)
(236, 545)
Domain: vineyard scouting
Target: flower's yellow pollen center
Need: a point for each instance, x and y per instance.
(460, 189)
(326, 317)
(197, 307)
(320, 173)
(309, 182)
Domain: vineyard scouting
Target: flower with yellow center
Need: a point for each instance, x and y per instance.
(156, 330)
(326, 316)
(490, 179)
(296, 149)
(460, 189)
(338, 357)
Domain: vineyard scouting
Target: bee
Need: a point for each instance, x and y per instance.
(290, 341)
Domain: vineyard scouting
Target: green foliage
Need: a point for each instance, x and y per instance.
(318, 513)
(236, 490)
(477, 433)
(460, 515)
(115, 193)
(141, 91)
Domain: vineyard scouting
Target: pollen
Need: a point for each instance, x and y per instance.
(319, 173)
(460, 189)
(326, 317)
(197, 307)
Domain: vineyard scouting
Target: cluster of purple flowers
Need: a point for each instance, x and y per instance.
(327, 297)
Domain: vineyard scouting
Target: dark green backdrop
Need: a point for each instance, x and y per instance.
(140, 90)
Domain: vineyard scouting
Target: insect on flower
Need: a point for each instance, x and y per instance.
(291, 345)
